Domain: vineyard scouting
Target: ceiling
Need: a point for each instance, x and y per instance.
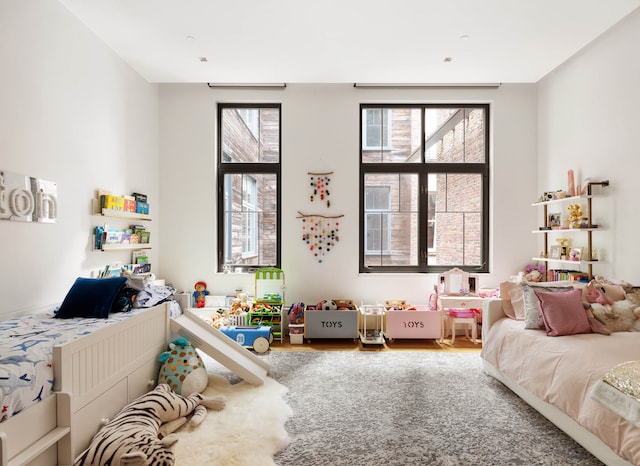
(335, 41)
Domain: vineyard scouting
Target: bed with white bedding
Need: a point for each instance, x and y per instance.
(61, 378)
(556, 375)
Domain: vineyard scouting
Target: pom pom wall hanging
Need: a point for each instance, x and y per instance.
(320, 233)
(319, 187)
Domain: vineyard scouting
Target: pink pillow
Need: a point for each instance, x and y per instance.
(512, 301)
(563, 313)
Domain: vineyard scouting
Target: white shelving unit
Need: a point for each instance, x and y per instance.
(588, 230)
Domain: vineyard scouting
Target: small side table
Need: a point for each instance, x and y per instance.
(458, 301)
(375, 335)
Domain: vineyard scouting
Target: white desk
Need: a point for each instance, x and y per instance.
(458, 301)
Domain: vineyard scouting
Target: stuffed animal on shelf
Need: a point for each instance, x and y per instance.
(140, 434)
(199, 294)
(182, 368)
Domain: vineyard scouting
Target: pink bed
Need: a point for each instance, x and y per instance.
(556, 376)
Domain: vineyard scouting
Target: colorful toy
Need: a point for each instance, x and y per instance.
(199, 294)
(327, 305)
(258, 337)
(182, 368)
(296, 313)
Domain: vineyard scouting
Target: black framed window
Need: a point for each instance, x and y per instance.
(248, 186)
(424, 187)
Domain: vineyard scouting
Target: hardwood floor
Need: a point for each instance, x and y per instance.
(462, 344)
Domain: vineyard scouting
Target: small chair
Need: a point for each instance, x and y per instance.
(465, 317)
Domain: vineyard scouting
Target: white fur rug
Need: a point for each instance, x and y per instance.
(248, 431)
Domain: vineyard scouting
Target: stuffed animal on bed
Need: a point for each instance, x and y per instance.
(621, 316)
(140, 434)
(608, 305)
(596, 293)
(182, 368)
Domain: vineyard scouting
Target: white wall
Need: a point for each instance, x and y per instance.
(589, 121)
(70, 112)
(74, 113)
(320, 129)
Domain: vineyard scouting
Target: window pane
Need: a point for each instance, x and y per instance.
(457, 213)
(455, 135)
(391, 135)
(391, 219)
(377, 232)
(376, 127)
(250, 219)
(250, 135)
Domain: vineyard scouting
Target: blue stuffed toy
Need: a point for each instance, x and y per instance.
(182, 368)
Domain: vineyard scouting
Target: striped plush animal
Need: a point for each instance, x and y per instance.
(140, 434)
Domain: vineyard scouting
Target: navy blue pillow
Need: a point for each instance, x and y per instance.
(90, 297)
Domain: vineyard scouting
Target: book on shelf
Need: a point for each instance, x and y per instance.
(574, 276)
(578, 277)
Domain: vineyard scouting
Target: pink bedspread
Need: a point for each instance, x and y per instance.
(562, 371)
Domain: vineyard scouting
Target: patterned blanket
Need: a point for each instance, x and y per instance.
(26, 351)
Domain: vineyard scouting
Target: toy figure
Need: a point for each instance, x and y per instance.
(575, 215)
(199, 294)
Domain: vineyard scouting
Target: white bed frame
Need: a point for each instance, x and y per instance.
(492, 312)
(95, 376)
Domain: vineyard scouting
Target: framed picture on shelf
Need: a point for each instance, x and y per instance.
(553, 220)
(555, 252)
(575, 254)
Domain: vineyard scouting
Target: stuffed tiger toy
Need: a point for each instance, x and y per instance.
(140, 433)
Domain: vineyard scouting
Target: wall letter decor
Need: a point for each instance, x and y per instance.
(27, 199)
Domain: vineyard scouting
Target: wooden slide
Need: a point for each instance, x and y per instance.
(238, 359)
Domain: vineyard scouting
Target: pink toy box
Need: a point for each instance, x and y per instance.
(413, 324)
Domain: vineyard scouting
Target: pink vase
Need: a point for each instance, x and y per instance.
(571, 184)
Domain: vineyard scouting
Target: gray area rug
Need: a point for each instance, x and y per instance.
(410, 408)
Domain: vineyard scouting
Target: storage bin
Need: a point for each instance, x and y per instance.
(296, 339)
(296, 334)
(419, 324)
(331, 324)
(296, 329)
